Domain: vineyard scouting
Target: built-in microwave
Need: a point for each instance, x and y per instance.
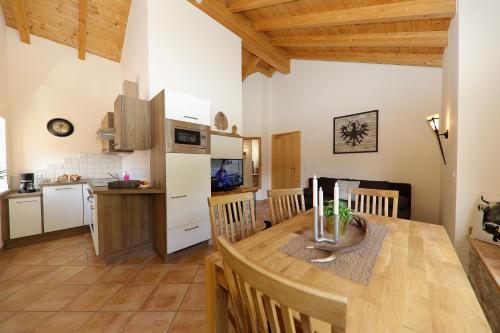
(187, 138)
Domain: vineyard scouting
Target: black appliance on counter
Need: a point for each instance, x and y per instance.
(27, 183)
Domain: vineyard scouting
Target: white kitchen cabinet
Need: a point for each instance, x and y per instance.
(188, 187)
(188, 108)
(226, 147)
(193, 233)
(62, 207)
(25, 217)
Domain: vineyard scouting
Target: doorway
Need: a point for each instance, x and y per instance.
(252, 170)
(286, 160)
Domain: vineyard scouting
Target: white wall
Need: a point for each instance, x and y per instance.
(47, 80)
(3, 79)
(134, 62)
(135, 67)
(478, 112)
(3, 66)
(256, 119)
(449, 121)
(192, 53)
(315, 92)
(174, 45)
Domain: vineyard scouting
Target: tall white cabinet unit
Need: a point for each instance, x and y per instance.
(185, 175)
(188, 187)
(62, 207)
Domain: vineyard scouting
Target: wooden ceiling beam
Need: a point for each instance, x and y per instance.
(265, 69)
(250, 66)
(82, 29)
(412, 59)
(256, 43)
(21, 22)
(397, 11)
(244, 5)
(392, 39)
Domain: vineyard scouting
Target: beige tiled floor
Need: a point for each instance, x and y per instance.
(61, 286)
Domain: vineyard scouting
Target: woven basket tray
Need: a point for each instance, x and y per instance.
(124, 184)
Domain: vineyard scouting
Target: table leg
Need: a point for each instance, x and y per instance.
(217, 301)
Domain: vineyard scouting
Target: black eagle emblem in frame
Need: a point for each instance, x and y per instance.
(356, 133)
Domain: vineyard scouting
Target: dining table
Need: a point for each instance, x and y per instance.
(417, 283)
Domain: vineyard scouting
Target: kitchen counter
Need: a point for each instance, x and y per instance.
(15, 195)
(83, 181)
(125, 220)
(98, 190)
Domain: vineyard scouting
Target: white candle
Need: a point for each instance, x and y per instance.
(336, 199)
(320, 202)
(315, 191)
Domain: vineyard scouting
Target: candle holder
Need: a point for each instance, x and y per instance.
(319, 230)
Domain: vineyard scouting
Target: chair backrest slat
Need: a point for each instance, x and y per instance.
(364, 197)
(285, 204)
(264, 301)
(232, 216)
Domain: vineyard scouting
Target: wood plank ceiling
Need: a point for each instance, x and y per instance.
(404, 32)
(93, 26)
(401, 32)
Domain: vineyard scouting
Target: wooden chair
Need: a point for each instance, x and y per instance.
(285, 204)
(373, 201)
(232, 216)
(263, 300)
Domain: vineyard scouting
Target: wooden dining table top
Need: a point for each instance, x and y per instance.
(417, 284)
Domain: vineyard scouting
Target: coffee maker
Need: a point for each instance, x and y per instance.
(27, 183)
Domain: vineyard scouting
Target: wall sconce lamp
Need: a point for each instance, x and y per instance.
(433, 121)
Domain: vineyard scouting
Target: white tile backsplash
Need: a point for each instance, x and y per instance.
(87, 165)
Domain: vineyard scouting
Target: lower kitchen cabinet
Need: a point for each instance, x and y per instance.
(25, 217)
(62, 207)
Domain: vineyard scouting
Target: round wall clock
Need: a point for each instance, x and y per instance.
(60, 127)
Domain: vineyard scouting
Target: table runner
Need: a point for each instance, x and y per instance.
(356, 266)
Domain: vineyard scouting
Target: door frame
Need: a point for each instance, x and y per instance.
(300, 153)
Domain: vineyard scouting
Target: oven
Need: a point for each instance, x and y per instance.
(187, 138)
(94, 228)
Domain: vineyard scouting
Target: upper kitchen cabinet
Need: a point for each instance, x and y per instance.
(108, 145)
(188, 108)
(132, 123)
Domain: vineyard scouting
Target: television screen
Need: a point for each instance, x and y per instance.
(226, 174)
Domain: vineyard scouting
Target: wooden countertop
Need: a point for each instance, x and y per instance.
(102, 190)
(489, 255)
(15, 195)
(417, 285)
(83, 181)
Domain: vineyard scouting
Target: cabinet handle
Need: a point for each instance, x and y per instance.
(189, 117)
(26, 201)
(64, 188)
(189, 229)
(178, 196)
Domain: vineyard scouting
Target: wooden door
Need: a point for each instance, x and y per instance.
(286, 160)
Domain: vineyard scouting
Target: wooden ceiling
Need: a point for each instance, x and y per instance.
(397, 32)
(93, 26)
(404, 32)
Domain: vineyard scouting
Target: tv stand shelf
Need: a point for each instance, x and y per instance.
(238, 190)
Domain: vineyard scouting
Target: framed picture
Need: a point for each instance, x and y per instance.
(356, 133)
(487, 227)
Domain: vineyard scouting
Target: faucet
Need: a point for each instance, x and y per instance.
(114, 176)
